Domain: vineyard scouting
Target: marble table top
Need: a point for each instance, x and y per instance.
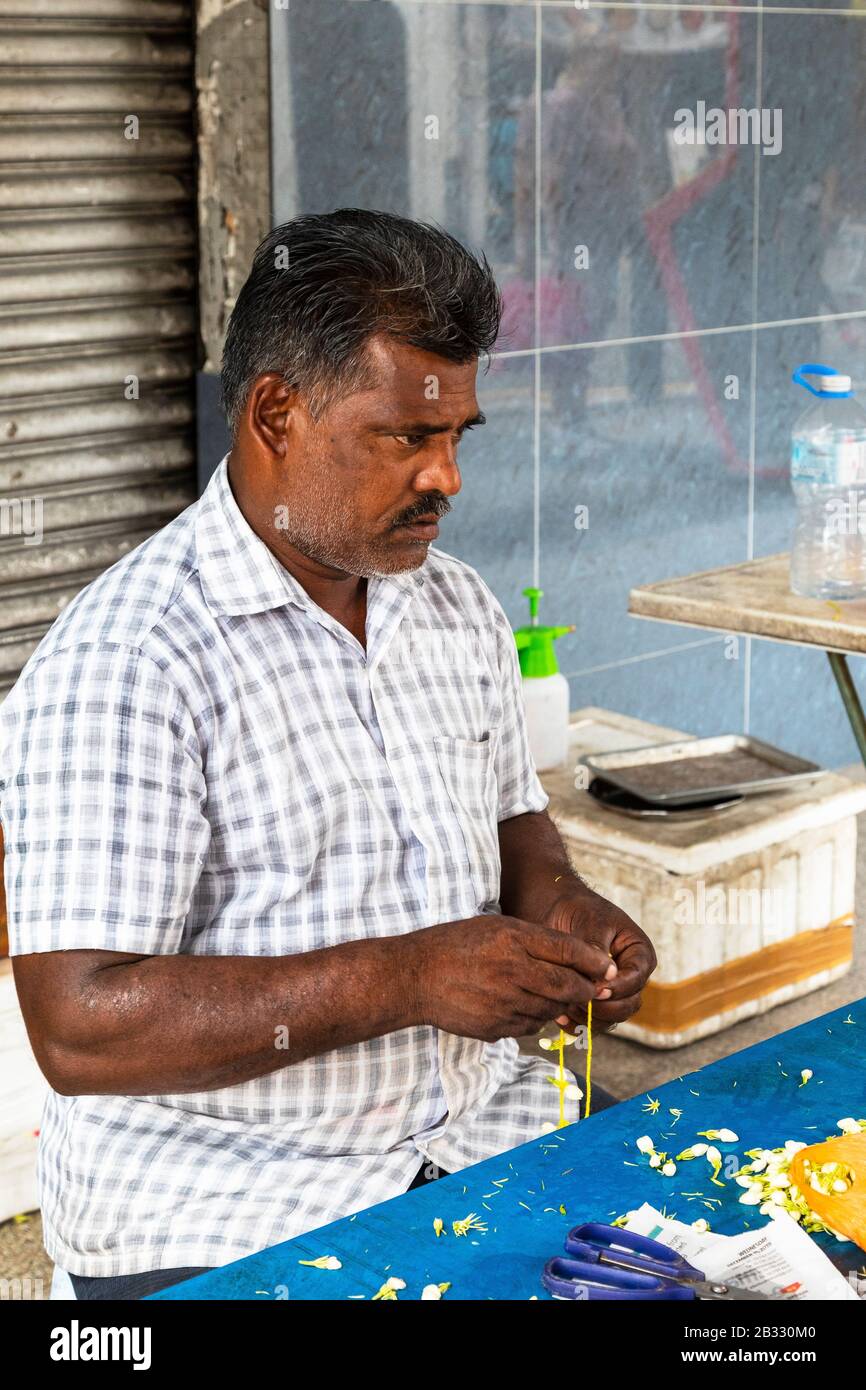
(754, 597)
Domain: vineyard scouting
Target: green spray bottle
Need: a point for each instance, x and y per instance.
(545, 690)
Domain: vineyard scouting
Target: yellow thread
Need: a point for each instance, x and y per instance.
(560, 1078)
(588, 1059)
(560, 1081)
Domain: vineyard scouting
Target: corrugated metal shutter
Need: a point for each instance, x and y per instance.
(97, 286)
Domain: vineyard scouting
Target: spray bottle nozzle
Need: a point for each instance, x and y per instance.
(535, 642)
(533, 595)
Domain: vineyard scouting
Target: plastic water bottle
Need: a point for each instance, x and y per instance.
(828, 476)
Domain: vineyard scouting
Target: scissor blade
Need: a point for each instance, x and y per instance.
(717, 1290)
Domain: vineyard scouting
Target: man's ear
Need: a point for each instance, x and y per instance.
(269, 411)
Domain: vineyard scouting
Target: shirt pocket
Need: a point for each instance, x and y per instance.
(468, 770)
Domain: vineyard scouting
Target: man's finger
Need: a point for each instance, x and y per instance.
(561, 948)
(534, 1006)
(574, 915)
(559, 985)
(605, 1012)
(635, 963)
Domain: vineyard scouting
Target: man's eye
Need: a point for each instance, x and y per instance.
(414, 440)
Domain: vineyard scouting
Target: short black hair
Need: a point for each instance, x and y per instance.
(322, 284)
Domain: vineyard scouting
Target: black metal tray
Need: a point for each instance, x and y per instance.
(701, 769)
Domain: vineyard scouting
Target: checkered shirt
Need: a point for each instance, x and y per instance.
(198, 759)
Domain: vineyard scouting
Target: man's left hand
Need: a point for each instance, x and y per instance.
(600, 923)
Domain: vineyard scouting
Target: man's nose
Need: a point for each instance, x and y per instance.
(440, 472)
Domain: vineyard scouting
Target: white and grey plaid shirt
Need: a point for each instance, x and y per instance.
(198, 759)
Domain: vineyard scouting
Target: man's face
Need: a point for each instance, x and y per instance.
(365, 485)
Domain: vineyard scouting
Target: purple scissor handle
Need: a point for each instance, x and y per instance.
(580, 1279)
(608, 1262)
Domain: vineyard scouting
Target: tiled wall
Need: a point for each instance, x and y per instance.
(649, 383)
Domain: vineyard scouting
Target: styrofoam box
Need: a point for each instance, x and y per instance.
(711, 891)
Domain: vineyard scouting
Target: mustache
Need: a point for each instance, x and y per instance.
(433, 504)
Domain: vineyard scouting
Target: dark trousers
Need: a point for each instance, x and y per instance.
(124, 1287)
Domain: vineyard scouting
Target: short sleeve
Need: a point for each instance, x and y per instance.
(520, 788)
(102, 802)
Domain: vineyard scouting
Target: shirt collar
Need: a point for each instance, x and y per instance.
(238, 573)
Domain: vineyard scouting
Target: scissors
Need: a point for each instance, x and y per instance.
(609, 1262)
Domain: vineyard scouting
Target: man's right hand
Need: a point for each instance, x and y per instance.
(493, 977)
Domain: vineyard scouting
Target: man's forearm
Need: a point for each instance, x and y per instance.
(535, 866)
(163, 1024)
(109, 1024)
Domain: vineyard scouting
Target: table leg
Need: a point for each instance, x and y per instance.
(850, 698)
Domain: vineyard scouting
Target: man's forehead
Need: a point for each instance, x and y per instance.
(411, 376)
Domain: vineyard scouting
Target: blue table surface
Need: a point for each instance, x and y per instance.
(592, 1169)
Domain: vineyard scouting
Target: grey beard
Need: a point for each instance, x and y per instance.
(326, 542)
